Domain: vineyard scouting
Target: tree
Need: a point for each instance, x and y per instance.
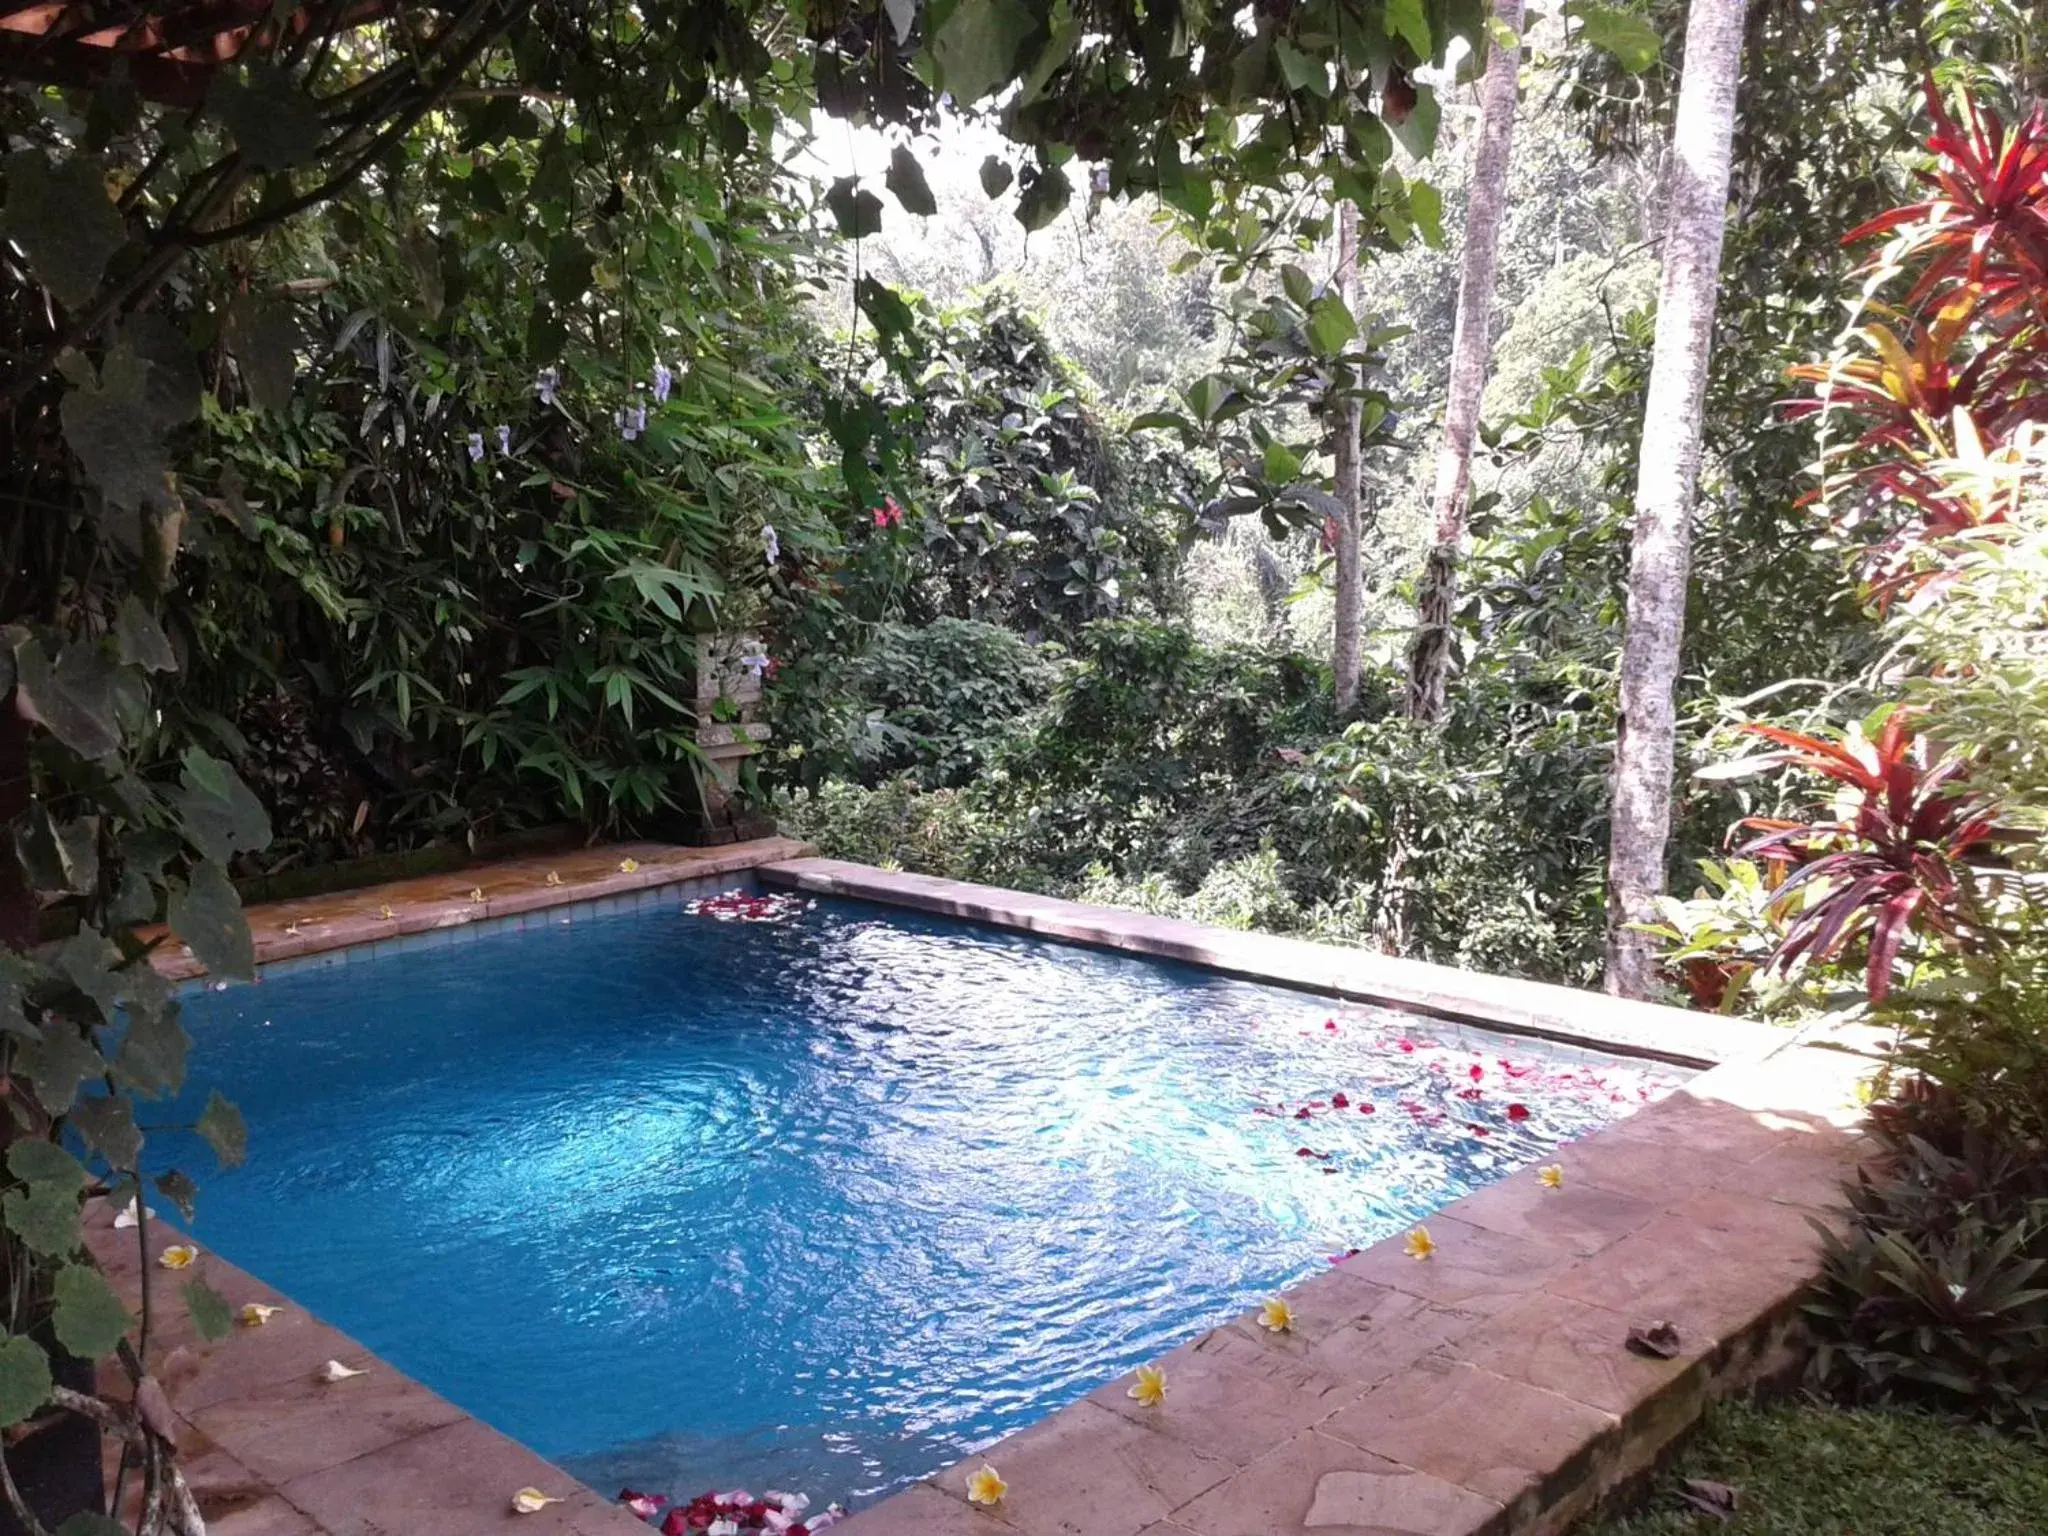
(1667, 477)
(1429, 656)
(1344, 547)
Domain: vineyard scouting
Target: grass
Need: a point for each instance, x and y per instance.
(1811, 1470)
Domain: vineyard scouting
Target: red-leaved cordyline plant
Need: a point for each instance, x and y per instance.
(1893, 861)
(1953, 381)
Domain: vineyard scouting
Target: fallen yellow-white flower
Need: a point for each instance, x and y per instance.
(1420, 1245)
(178, 1256)
(1551, 1176)
(1276, 1316)
(1150, 1387)
(255, 1314)
(986, 1486)
(627, 866)
(531, 1501)
(334, 1370)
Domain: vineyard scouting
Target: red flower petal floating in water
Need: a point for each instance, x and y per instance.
(1329, 1023)
(1365, 1109)
(1311, 1152)
(1303, 1113)
(1348, 1253)
(1339, 1101)
(1406, 1045)
(1518, 1111)
(1477, 1072)
(1471, 1095)
(740, 907)
(645, 1505)
(1479, 1130)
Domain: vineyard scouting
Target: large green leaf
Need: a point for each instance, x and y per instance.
(996, 176)
(264, 339)
(90, 961)
(1426, 207)
(905, 178)
(221, 816)
(1045, 199)
(1330, 326)
(570, 269)
(1409, 21)
(858, 213)
(1626, 34)
(44, 1217)
(88, 1524)
(57, 1064)
(179, 1189)
(222, 1126)
(88, 1318)
(61, 217)
(141, 639)
(24, 1379)
(172, 388)
(211, 1314)
(152, 1055)
(107, 422)
(976, 46)
(275, 124)
(59, 855)
(44, 1162)
(107, 1122)
(207, 914)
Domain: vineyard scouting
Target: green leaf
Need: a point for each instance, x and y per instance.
(88, 1318)
(59, 855)
(1330, 326)
(62, 218)
(1301, 72)
(1406, 19)
(902, 16)
(1280, 465)
(1045, 199)
(1426, 207)
(152, 1055)
(211, 1314)
(1417, 131)
(857, 213)
(219, 825)
(24, 1380)
(207, 914)
(88, 1524)
(275, 124)
(1299, 285)
(976, 46)
(570, 269)
(107, 423)
(141, 639)
(905, 178)
(91, 962)
(180, 1191)
(171, 393)
(264, 338)
(1625, 34)
(222, 1126)
(44, 1217)
(107, 1122)
(57, 1064)
(996, 176)
(74, 699)
(44, 1162)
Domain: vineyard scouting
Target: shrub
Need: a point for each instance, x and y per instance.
(1938, 1294)
(936, 702)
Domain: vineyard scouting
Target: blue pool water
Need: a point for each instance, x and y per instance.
(823, 1203)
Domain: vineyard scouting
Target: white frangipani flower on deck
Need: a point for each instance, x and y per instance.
(531, 1501)
(334, 1370)
(128, 1218)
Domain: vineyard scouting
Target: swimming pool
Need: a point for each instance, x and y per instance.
(827, 1200)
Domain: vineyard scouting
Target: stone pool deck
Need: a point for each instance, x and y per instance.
(1487, 1389)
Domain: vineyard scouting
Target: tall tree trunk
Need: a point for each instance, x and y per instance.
(1667, 477)
(1436, 598)
(1344, 663)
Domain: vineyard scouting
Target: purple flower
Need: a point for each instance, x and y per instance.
(476, 447)
(545, 385)
(663, 380)
(771, 546)
(628, 429)
(640, 418)
(504, 439)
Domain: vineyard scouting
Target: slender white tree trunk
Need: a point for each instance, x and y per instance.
(1667, 478)
(1350, 581)
(1436, 598)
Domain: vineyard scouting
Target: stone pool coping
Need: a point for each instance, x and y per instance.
(1486, 1390)
(310, 925)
